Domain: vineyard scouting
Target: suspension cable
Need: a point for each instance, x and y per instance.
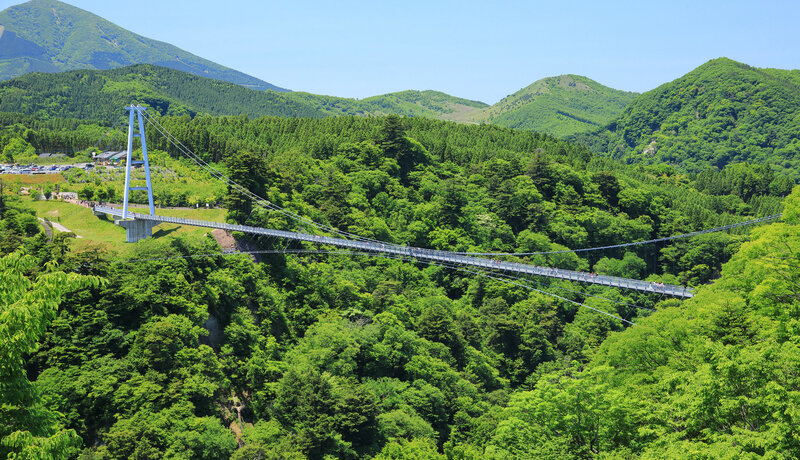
(373, 254)
(585, 294)
(244, 191)
(635, 243)
(271, 206)
(546, 293)
(105, 134)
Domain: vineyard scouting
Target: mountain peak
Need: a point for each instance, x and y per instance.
(722, 62)
(52, 36)
(561, 105)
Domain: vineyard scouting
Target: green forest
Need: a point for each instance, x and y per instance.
(99, 94)
(720, 113)
(172, 349)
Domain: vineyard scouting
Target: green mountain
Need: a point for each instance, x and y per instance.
(431, 104)
(426, 104)
(101, 94)
(561, 106)
(51, 36)
(95, 94)
(722, 112)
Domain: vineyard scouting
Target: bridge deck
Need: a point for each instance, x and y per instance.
(424, 254)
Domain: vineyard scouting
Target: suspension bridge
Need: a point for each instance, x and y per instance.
(141, 222)
(139, 226)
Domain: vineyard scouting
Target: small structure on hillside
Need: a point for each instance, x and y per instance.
(111, 158)
(66, 195)
(51, 156)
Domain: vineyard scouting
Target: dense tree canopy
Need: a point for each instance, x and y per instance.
(720, 113)
(183, 352)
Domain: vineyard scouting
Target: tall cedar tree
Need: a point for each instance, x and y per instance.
(247, 169)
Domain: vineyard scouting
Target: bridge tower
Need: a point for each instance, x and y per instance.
(136, 229)
(135, 113)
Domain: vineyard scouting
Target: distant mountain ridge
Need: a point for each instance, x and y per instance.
(101, 94)
(51, 36)
(720, 113)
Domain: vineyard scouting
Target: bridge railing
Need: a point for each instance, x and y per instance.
(428, 254)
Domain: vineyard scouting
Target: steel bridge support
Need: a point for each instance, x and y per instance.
(136, 113)
(136, 229)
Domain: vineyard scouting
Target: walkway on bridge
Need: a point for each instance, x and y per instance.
(148, 221)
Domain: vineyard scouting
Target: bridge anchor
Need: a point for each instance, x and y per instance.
(137, 230)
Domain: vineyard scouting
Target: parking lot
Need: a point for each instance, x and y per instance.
(41, 169)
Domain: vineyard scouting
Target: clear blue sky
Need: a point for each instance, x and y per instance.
(480, 50)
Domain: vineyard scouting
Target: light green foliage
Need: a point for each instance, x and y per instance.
(575, 417)
(561, 106)
(27, 305)
(159, 342)
(401, 424)
(18, 151)
(706, 379)
(792, 213)
(417, 449)
(269, 441)
(629, 266)
(171, 433)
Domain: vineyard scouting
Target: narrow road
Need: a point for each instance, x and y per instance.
(57, 226)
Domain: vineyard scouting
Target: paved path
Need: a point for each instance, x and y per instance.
(58, 226)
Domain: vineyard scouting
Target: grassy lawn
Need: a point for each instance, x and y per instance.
(94, 231)
(15, 181)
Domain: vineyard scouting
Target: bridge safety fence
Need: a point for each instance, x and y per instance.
(429, 254)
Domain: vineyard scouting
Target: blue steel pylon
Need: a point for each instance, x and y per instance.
(137, 110)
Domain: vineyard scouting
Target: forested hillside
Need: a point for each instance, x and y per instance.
(429, 104)
(560, 106)
(100, 95)
(712, 377)
(722, 112)
(164, 353)
(52, 36)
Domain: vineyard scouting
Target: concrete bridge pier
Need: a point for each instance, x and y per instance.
(137, 230)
